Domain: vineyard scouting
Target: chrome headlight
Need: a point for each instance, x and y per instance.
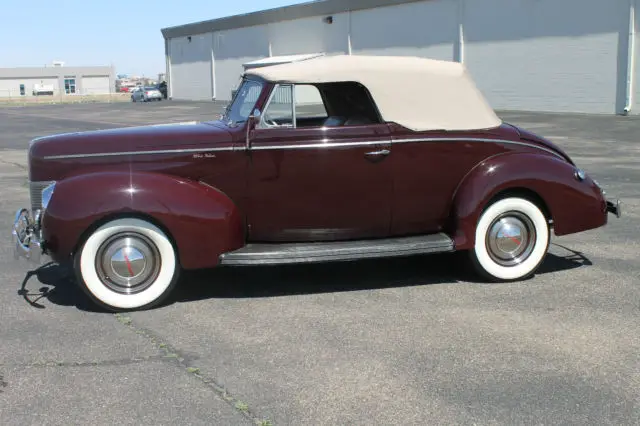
(47, 193)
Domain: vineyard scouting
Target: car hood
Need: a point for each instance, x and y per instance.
(528, 136)
(187, 135)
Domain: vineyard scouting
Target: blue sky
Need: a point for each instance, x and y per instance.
(91, 32)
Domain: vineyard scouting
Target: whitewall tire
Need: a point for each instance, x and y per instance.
(512, 239)
(127, 264)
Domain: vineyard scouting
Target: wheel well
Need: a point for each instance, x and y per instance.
(527, 194)
(122, 215)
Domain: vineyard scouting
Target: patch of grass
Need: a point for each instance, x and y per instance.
(123, 319)
(265, 423)
(193, 370)
(242, 406)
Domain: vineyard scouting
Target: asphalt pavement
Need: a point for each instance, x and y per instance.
(401, 341)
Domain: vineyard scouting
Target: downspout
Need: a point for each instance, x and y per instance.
(630, 57)
(349, 32)
(167, 50)
(461, 31)
(213, 68)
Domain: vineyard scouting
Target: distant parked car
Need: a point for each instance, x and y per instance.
(146, 94)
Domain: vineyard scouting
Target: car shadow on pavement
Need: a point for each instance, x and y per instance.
(273, 281)
(56, 283)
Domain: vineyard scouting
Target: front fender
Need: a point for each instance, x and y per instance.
(573, 205)
(202, 221)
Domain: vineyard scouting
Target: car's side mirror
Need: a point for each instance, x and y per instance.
(252, 122)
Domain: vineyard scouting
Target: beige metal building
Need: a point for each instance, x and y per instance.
(544, 55)
(56, 80)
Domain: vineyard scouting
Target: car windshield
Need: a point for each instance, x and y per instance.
(243, 102)
(150, 88)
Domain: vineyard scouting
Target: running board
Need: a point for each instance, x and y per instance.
(288, 253)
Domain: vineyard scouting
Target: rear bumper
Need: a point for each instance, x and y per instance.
(614, 207)
(27, 242)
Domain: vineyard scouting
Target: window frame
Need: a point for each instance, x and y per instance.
(263, 124)
(74, 85)
(243, 81)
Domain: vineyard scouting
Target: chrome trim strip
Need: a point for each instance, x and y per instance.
(162, 151)
(530, 145)
(319, 145)
(304, 146)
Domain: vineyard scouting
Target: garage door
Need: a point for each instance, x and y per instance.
(95, 85)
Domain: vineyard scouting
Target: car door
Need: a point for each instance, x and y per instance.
(427, 169)
(311, 182)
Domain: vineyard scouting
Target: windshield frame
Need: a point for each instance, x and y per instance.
(232, 116)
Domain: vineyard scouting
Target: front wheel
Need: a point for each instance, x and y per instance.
(127, 264)
(512, 239)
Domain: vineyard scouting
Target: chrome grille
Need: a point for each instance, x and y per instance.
(35, 189)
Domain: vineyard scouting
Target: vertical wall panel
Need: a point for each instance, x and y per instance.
(191, 67)
(336, 35)
(312, 35)
(546, 55)
(427, 29)
(233, 48)
(297, 36)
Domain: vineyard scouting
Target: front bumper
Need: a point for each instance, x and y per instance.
(614, 207)
(27, 240)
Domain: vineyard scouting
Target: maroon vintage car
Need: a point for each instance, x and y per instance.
(327, 159)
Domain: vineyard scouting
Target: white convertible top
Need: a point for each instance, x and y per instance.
(418, 93)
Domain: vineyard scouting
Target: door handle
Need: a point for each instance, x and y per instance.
(384, 152)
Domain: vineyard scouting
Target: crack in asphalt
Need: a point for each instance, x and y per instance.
(108, 362)
(11, 163)
(178, 358)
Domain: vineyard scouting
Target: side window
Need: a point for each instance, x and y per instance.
(349, 104)
(322, 105)
(279, 112)
(310, 109)
(69, 85)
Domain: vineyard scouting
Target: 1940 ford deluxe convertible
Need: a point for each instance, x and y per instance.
(327, 159)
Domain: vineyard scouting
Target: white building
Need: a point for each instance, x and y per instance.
(56, 80)
(536, 55)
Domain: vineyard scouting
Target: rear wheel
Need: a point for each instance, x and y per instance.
(127, 264)
(512, 239)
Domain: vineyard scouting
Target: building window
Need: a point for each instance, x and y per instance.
(69, 85)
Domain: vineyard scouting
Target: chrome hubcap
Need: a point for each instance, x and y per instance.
(511, 239)
(128, 263)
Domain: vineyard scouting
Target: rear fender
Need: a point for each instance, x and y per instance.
(573, 205)
(201, 221)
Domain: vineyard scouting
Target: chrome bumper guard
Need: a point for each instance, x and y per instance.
(26, 238)
(614, 207)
